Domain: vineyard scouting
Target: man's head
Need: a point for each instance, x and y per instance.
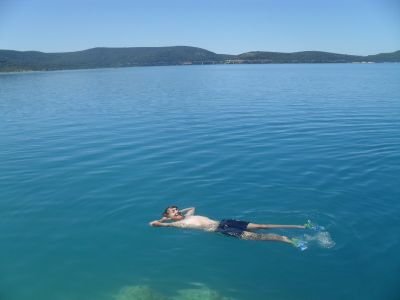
(173, 213)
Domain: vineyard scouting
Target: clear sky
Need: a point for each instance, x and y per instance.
(222, 26)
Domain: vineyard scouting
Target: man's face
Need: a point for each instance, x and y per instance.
(174, 214)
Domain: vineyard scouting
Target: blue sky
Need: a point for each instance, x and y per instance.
(222, 26)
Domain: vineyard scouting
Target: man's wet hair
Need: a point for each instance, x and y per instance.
(165, 213)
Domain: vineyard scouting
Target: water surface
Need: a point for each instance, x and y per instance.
(88, 158)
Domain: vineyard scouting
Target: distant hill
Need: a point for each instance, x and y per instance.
(299, 57)
(385, 57)
(11, 60)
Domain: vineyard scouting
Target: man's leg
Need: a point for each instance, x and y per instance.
(265, 237)
(253, 226)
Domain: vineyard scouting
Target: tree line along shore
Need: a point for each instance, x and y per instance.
(19, 61)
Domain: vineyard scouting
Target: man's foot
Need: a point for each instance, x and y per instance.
(298, 243)
(313, 226)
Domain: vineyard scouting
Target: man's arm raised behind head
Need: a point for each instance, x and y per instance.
(160, 222)
(188, 211)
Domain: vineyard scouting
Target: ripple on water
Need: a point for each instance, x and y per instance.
(89, 157)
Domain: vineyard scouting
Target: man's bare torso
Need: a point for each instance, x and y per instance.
(197, 222)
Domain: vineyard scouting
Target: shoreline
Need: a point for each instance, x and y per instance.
(194, 64)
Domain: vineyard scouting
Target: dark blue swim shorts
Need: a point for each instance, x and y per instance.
(232, 228)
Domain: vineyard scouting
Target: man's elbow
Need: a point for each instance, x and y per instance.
(191, 211)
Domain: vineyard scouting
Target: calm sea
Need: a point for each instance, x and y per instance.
(89, 157)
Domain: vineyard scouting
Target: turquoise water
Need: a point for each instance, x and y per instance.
(89, 157)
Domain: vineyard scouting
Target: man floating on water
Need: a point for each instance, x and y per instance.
(186, 218)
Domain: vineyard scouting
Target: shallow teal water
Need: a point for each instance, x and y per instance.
(87, 158)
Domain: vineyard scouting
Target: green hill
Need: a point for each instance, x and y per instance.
(298, 57)
(106, 58)
(11, 60)
(385, 57)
